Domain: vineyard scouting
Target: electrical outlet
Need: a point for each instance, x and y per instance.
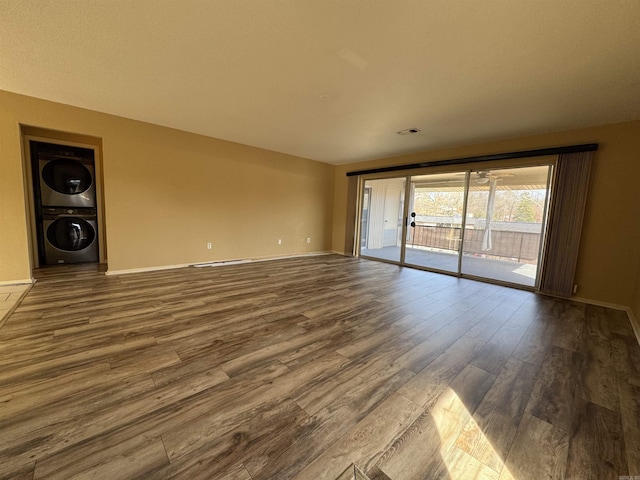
(209, 245)
(279, 241)
(308, 239)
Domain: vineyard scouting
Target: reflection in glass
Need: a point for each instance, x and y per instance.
(70, 234)
(382, 229)
(67, 176)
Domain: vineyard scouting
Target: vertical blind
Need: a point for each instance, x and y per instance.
(352, 215)
(564, 227)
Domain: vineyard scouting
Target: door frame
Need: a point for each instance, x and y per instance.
(548, 161)
(30, 200)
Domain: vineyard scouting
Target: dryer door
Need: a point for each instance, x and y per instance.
(71, 234)
(66, 182)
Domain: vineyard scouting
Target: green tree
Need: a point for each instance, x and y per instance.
(526, 209)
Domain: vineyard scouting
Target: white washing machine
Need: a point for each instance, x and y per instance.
(70, 235)
(67, 177)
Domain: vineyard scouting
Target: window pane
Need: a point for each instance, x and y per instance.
(381, 219)
(433, 237)
(505, 218)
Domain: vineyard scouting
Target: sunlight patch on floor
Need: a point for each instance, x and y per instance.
(526, 270)
(465, 450)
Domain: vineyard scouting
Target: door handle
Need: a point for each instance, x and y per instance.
(413, 224)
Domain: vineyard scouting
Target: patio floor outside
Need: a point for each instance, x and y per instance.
(502, 270)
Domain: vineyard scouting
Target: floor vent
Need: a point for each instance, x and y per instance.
(219, 264)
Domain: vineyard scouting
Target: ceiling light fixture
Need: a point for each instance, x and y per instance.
(408, 131)
(483, 177)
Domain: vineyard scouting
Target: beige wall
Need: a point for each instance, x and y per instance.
(610, 247)
(14, 251)
(635, 302)
(167, 193)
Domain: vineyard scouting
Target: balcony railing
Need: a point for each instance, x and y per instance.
(522, 247)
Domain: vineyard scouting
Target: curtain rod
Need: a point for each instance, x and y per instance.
(587, 147)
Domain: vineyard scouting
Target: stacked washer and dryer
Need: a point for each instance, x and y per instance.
(66, 204)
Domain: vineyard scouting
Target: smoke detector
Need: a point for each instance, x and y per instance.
(408, 131)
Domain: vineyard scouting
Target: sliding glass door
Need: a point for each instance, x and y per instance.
(505, 220)
(479, 223)
(435, 223)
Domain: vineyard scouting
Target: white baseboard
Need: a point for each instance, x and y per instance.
(598, 303)
(7, 283)
(293, 255)
(259, 259)
(213, 264)
(634, 323)
(146, 269)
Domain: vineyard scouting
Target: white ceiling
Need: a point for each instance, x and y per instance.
(332, 80)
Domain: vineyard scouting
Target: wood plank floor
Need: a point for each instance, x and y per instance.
(299, 368)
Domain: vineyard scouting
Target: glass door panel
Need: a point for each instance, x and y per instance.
(364, 217)
(382, 235)
(505, 222)
(435, 216)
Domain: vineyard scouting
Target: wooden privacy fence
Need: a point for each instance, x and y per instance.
(520, 246)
